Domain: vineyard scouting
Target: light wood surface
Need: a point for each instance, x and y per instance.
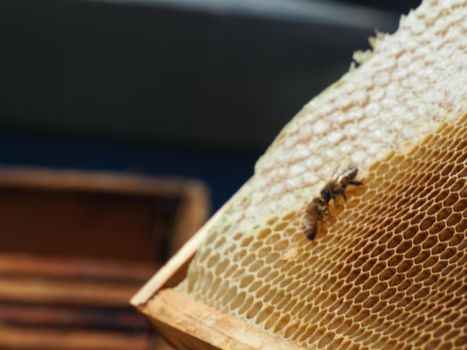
(189, 324)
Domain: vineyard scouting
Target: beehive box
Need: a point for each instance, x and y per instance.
(75, 246)
(389, 270)
(72, 213)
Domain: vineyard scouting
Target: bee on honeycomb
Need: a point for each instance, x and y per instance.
(317, 209)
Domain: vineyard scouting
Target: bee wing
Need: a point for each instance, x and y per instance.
(348, 175)
(335, 171)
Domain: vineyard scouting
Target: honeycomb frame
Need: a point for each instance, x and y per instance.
(389, 273)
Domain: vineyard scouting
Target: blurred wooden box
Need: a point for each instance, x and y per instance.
(76, 246)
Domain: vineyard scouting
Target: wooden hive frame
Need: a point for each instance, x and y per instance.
(189, 324)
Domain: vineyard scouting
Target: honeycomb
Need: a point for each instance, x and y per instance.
(410, 82)
(389, 271)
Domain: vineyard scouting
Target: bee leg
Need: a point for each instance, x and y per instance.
(328, 214)
(356, 183)
(343, 195)
(311, 233)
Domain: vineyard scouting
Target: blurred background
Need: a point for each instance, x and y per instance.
(124, 124)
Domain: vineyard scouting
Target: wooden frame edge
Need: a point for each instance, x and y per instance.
(187, 323)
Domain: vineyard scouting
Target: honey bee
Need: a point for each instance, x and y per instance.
(317, 209)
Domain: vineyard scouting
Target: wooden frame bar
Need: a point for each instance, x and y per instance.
(188, 324)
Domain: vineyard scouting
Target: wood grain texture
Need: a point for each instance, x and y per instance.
(53, 339)
(76, 246)
(69, 292)
(79, 304)
(72, 268)
(188, 324)
(68, 316)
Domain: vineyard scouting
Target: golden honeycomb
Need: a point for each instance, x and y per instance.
(390, 270)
